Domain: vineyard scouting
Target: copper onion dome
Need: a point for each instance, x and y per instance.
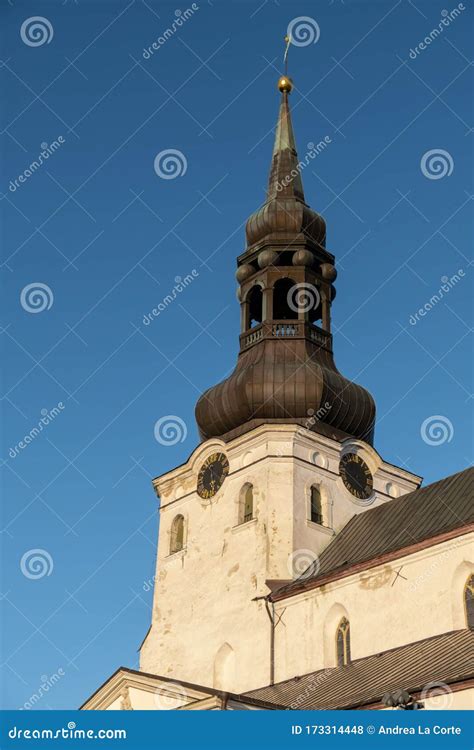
(285, 371)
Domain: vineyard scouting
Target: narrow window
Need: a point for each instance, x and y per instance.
(286, 296)
(255, 300)
(246, 503)
(343, 643)
(177, 534)
(316, 507)
(469, 601)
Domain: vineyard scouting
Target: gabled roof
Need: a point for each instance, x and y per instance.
(426, 513)
(188, 694)
(446, 658)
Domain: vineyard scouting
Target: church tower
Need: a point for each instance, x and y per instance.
(285, 371)
(286, 457)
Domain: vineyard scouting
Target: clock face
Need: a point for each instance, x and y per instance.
(356, 476)
(212, 474)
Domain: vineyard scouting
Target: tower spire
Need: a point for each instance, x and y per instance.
(285, 370)
(285, 216)
(285, 177)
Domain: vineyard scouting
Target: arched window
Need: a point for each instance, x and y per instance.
(343, 643)
(177, 534)
(316, 509)
(255, 306)
(469, 601)
(285, 300)
(246, 503)
(224, 668)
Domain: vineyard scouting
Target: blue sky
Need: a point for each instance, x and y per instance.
(108, 237)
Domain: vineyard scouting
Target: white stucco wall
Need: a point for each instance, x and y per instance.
(383, 614)
(205, 627)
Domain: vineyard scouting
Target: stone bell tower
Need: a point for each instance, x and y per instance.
(286, 457)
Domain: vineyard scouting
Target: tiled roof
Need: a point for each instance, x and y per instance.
(446, 658)
(425, 513)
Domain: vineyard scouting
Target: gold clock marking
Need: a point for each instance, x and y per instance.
(356, 476)
(212, 474)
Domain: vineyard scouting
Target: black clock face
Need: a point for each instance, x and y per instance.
(356, 476)
(212, 474)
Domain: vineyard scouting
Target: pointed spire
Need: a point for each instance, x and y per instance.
(285, 179)
(285, 216)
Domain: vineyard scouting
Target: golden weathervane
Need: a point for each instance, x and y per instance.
(285, 84)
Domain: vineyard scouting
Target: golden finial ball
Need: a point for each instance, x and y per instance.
(285, 84)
